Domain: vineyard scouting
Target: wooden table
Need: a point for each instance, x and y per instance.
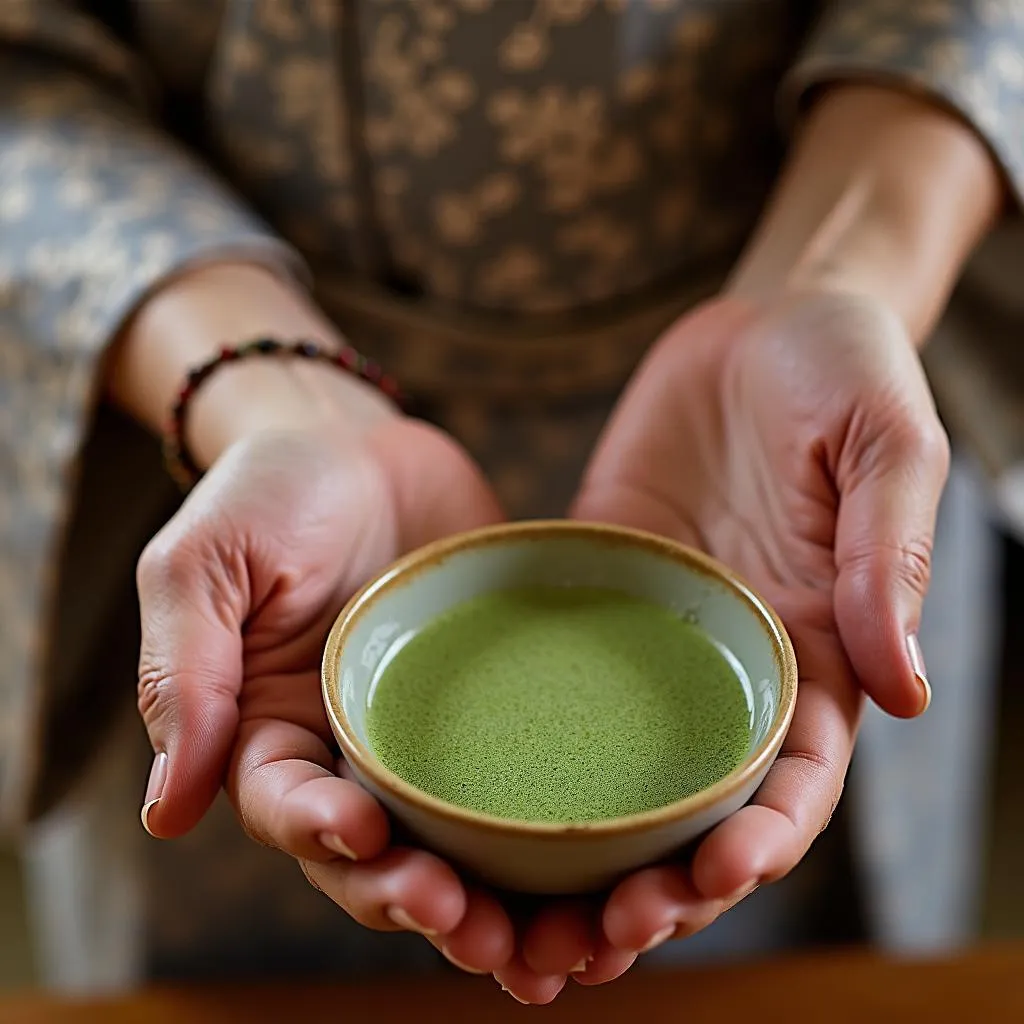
(984, 987)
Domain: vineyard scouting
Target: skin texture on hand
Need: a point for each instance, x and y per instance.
(797, 442)
(316, 484)
(745, 433)
(788, 432)
(237, 594)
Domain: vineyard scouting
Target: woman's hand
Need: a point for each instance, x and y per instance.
(237, 593)
(315, 483)
(794, 438)
(797, 442)
(788, 430)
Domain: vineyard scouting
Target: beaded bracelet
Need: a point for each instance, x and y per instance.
(179, 462)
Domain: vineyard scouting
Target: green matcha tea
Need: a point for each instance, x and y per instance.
(559, 705)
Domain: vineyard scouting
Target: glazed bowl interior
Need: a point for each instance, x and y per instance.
(391, 610)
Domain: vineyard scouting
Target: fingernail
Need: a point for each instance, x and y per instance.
(514, 996)
(402, 918)
(743, 891)
(154, 788)
(917, 664)
(581, 966)
(447, 954)
(739, 895)
(337, 844)
(658, 938)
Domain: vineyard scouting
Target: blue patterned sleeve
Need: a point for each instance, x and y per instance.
(97, 206)
(967, 54)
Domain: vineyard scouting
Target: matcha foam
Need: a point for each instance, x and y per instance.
(559, 705)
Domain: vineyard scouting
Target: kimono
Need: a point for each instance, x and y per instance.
(502, 201)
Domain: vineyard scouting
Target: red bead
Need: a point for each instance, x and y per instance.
(179, 462)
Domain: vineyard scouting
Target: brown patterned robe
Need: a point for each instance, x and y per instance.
(504, 200)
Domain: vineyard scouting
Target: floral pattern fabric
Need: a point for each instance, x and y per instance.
(503, 200)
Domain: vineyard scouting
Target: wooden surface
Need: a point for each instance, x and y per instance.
(984, 987)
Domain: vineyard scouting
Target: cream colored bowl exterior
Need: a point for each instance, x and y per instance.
(564, 862)
(543, 858)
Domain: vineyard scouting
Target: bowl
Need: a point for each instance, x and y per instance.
(549, 858)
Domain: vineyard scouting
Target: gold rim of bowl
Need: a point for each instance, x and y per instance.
(423, 559)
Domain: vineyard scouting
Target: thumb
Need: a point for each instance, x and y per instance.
(888, 501)
(190, 673)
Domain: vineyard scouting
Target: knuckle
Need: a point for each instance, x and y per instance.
(165, 565)
(825, 772)
(923, 441)
(914, 562)
(911, 561)
(937, 446)
(251, 829)
(157, 692)
(165, 690)
(263, 816)
(193, 570)
(262, 821)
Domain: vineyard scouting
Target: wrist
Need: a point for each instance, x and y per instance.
(190, 318)
(247, 398)
(885, 196)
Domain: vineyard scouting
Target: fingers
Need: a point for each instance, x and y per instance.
(607, 964)
(484, 940)
(890, 488)
(525, 985)
(561, 939)
(286, 795)
(400, 890)
(564, 940)
(766, 839)
(656, 905)
(189, 679)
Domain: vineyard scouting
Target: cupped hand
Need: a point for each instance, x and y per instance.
(798, 443)
(237, 594)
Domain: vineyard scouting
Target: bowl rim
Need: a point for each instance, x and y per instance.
(423, 559)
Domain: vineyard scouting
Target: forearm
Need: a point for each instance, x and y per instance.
(158, 234)
(190, 318)
(884, 195)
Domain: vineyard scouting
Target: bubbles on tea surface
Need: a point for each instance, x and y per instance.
(560, 705)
